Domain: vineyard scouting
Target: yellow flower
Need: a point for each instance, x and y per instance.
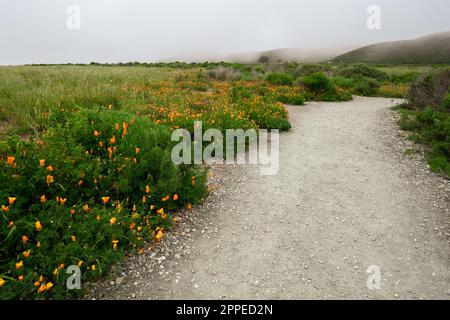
(144, 199)
(86, 207)
(80, 263)
(112, 220)
(137, 150)
(48, 286)
(5, 208)
(10, 224)
(132, 225)
(50, 168)
(147, 189)
(93, 267)
(97, 217)
(73, 238)
(49, 179)
(41, 288)
(43, 199)
(96, 133)
(112, 140)
(165, 198)
(38, 225)
(19, 264)
(175, 196)
(189, 206)
(42, 162)
(160, 211)
(20, 278)
(159, 233)
(100, 144)
(105, 199)
(115, 242)
(38, 245)
(26, 254)
(2, 282)
(11, 200)
(55, 272)
(24, 239)
(11, 160)
(152, 207)
(62, 201)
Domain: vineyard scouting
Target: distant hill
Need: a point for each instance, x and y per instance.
(276, 55)
(291, 55)
(431, 49)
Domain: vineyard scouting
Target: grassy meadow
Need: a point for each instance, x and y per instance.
(86, 174)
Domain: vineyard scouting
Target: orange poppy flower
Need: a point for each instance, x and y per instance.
(105, 199)
(49, 179)
(10, 160)
(38, 226)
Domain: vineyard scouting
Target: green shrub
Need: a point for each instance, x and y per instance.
(431, 128)
(363, 70)
(404, 78)
(344, 83)
(447, 101)
(366, 86)
(87, 192)
(430, 91)
(292, 99)
(280, 79)
(318, 83)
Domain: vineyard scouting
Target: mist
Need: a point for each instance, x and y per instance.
(133, 30)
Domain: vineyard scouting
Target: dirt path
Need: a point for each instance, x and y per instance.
(346, 197)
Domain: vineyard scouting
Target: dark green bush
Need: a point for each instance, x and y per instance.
(292, 99)
(280, 79)
(318, 83)
(363, 70)
(431, 128)
(366, 86)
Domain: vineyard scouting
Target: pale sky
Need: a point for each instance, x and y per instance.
(35, 31)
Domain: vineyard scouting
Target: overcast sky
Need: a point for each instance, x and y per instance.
(35, 31)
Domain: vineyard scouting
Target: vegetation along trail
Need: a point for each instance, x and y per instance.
(346, 197)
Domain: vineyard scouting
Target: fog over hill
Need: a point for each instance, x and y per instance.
(433, 48)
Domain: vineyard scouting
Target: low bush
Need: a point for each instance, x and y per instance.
(431, 128)
(318, 83)
(84, 194)
(280, 79)
(430, 91)
(366, 86)
(291, 99)
(321, 88)
(363, 70)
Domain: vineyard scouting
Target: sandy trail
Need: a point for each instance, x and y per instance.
(346, 197)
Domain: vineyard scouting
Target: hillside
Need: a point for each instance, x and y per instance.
(430, 49)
